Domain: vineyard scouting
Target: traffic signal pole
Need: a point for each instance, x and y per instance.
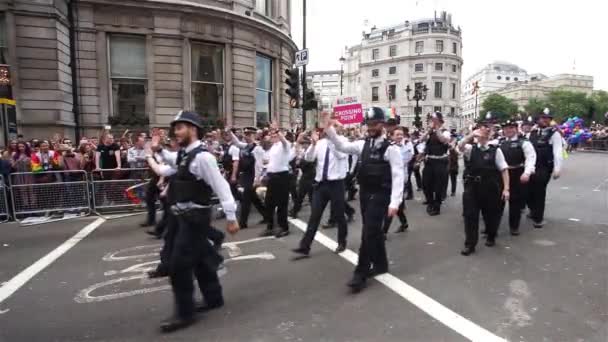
(304, 67)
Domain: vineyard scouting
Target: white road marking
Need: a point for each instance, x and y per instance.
(573, 219)
(425, 303)
(4, 311)
(565, 188)
(597, 188)
(20, 279)
(152, 253)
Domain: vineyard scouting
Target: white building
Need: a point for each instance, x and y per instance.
(427, 52)
(490, 78)
(326, 85)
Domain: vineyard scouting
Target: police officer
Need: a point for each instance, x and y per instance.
(406, 150)
(483, 189)
(196, 177)
(329, 187)
(250, 166)
(549, 155)
(381, 180)
(230, 162)
(435, 173)
(521, 158)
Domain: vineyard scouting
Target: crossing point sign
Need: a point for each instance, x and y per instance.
(301, 58)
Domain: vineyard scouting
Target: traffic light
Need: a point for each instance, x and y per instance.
(310, 102)
(293, 82)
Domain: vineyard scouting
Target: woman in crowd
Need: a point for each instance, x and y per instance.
(21, 162)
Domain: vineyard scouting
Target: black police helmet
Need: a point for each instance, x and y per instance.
(375, 114)
(188, 117)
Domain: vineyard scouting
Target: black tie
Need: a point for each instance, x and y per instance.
(180, 156)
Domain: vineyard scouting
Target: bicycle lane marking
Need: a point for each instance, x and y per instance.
(11, 286)
(436, 310)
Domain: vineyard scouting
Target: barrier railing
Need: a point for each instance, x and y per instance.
(49, 193)
(109, 187)
(594, 145)
(4, 209)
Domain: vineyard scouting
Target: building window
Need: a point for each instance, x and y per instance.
(438, 92)
(417, 85)
(263, 91)
(438, 66)
(375, 54)
(128, 76)
(392, 92)
(374, 94)
(392, 70)
(375, 72)
(455, 48)
(453, 90)
(453, 67)
(419, 67)
(439, 45)
(437, 109)
(419, 47)
(3, 42)
(515, 79)
(452, 111)
(263, 7)
(508, 78)
(207, 81)
(498, 77)
(392, 51)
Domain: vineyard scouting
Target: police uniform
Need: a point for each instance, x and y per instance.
(305, 183)
(230, 154)
(435, 173)
(329, 187)
(250, 165)
(406, 150)
(521, 158)
(381, 180)
(482, 192)
(195, 177)
(547, 143)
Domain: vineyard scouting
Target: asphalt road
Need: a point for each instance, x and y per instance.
(547, 284)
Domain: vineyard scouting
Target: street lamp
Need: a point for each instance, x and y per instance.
(420, 92)
(342, 59)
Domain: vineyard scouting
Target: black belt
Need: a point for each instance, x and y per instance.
(478, 179)
(276, 174)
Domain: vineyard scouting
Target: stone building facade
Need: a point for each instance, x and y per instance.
(138, 62)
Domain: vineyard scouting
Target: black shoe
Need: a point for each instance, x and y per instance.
(329, 225)
(243, 226)
(467, 251)
(154, 233)
(303, 252)
(490, 243)
(341, 248)
(146, 224)
(350, 217)
(267, 232)
(453, 194)
(514, 232)
(175, 323)
(157, 274)
(376, 271)
(434, 212)
(357, 283)
(539, 225)
(282, 233)
(204, 307)
(402, 228)
(426, 203)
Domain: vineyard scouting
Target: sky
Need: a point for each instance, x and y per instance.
(540, 36)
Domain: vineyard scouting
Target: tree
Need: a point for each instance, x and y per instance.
(599, 101)
(535, 106)
(565, 103)
(502, 108)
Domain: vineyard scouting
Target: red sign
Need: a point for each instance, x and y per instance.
(349, 114)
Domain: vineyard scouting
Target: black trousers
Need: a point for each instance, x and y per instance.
(193, 255)
(481, 197)
(277, 199)
(400, 214)
(374, 205)
(293, 185)
(434, 177)
(161, 226)
(418, 178)
(332, 192)
(249, 197)
(305, 188)
(165, 252)
(152, 193)
(453, 180)
(538, 192)
(517, 197)
(349, 184)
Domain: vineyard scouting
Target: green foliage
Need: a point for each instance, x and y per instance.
(535, 106)
(502, 108)
(565, 103)
(599, 100)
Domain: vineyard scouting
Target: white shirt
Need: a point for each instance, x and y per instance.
(204, 167)
(338, 161)
(407, 153)
(558, 151)
(529, 154)
(136, 157)
(278, 157)
(499, 159)
(392, 155)
(234, 152)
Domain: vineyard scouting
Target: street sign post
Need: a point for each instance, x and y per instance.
(302, 58)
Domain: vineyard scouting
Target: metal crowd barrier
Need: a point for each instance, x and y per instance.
(49, 193)
(4, 209)
(109, 189)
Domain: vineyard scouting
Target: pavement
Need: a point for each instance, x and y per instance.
(84, 279)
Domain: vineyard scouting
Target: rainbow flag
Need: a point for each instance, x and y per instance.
(136, 194)
(38, 165)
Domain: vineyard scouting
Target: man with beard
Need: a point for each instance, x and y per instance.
(381, 179)
(195, 177)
